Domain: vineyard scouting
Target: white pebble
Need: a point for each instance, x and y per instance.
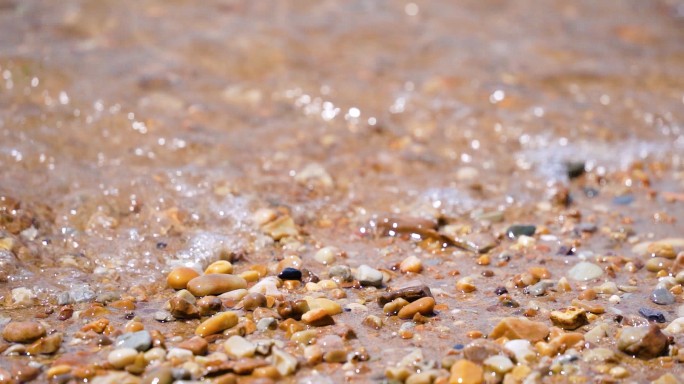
(614, 299)
(327, 255)
(22, 296)
(119, 358)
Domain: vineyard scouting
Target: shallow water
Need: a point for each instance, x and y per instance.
(139, 135)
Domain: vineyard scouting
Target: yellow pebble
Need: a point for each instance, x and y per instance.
(221, 266)
(179, 277)
(217, 323)
(250, 276)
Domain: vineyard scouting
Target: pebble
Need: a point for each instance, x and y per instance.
(662, 296)
(424, 306)
(22, 296)
(238, 346)
(266, 323)
(643, 342)
(652, 315)
(253, 301)
(121, 357)
(23, 331)
(657, 264)
(368, 276)
(285, 363)
(515, 231)
(159, 375)
(181, 308)
(217, 323)
(584, 271)
(46, 345)
(327, 255)
(569, 318)
(521, 349)
(623, 200)
(466, 372)
(209, 305)
(140, 341)
(520, 328)
(480, 349)
(342, 272)
(676, 327)
(290, 274)
(539, 289)
(410, 291)
(163, 316)
(179, 277)
(197, 345)
(215, 284)
(411, 264)
(499, 363)
(220, 266)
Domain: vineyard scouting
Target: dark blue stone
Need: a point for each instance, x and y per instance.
(623, 200)
(458, 347)
(290, 274)
(518, 230)
(652, 315)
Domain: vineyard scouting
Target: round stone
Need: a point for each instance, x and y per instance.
(584, 271)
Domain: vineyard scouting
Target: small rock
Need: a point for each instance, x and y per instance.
(22, 296)
(160, 375)
(209, 305)
(411, 264)
(23, 331)
(643, 342)
(179, 277)
(120, 358)
(197, 345)
(280, 228)
(515, 231)
(569, 318)
(327, 255)
(253, 301)
(285, 363)
(584, 271)
(623, 200)
(220, 266)
(479, 350)
(676, 327)
(599, 355)
(499, 364)
(45, 345)
(290, 274)
(423, 306)
(662, 296)
(266, 323)
(215, 284)
(140, 341)
(466, 372)
(180, 308)
(163, 316)
(342, 272)
(411, 291)
(238, 346)
(217, 323)
(521, 349)
(538, 289)
(657, 264)
(574, 169)
(368, 276)
(652, 315)
(520, 328)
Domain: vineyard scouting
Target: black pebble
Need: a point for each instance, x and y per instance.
(574, 169)
(500, 291)
(565, 250)
(652, 315)
(518, 230)
(290, 274)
